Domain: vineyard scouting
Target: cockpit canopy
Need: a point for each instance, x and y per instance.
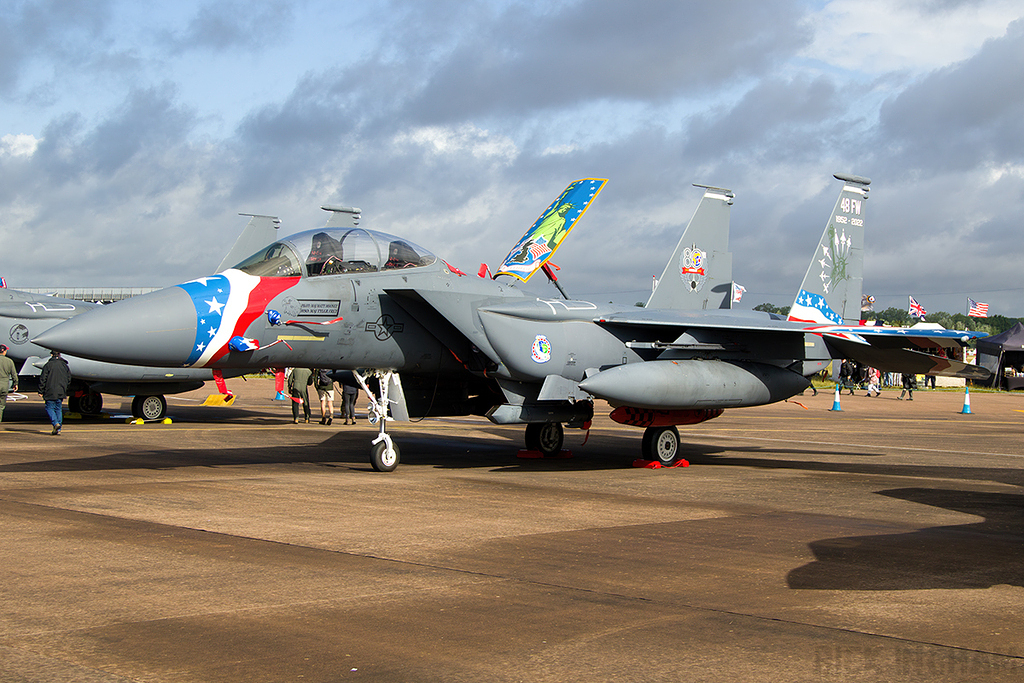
(334, 251)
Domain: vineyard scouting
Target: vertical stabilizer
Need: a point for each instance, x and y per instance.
(257, 233)
(831, 290)
(698, 276)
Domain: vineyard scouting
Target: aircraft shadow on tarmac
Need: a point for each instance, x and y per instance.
(978, 555)
(1004, 475)
(491, 450)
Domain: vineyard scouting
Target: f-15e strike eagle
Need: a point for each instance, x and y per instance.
(425, 339)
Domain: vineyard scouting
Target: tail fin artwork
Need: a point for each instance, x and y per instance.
(539, 243)
(699, 273)
(257, 233)
(831, 290)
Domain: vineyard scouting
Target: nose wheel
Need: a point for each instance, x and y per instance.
(384, 452)
(384, 455)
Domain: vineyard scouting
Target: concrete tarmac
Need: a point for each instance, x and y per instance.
(881, 542)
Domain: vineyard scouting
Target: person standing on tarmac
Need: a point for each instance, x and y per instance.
(349, 395)
(325, 390)
(298, 387)
(54, 381)
(8, 378)
(909, 384)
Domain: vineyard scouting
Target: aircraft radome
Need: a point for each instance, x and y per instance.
(424, 339)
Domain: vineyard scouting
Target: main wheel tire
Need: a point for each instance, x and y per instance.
(383, 460)
(661, 444)
(90, 404)
(546, 437)
(74, 404)
(149, 407)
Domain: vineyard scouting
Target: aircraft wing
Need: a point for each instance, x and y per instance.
(734, 320)
(888, 349)
(905, 360)
(895, 349)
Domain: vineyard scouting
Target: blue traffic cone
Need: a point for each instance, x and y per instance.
(281, 396)
(967, 401)
(835, 403)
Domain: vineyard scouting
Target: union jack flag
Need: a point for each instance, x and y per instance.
(976, 309)
(916, 309)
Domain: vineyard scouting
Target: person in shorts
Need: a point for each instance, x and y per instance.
(325, 390)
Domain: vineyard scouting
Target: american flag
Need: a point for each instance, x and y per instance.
(737, 292)
(975, 309)
(538, 250)
(916, 309)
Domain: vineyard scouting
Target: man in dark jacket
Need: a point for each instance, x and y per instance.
(54, 381)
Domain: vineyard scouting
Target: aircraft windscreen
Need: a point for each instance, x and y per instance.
(334, 251)
(277, 260)
(405, 254)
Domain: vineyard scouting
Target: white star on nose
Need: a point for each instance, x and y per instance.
(215, 306)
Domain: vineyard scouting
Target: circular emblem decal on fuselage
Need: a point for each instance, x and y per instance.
(19, 334)
(541, 349)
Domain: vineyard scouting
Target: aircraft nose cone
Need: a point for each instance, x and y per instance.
(157, 329)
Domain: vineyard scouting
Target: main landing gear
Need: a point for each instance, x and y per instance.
(87, 403)
(661, 444)
(545, 437)
(384, 453)
(149, 407)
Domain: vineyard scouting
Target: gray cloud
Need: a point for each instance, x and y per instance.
(777, 119)
(150, 119)
(965, 114)
(220, 26)
(592, 51)
(62, 31)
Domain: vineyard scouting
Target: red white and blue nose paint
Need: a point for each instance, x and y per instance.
(226, 304)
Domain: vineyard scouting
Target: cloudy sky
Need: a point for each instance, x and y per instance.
(132, 134)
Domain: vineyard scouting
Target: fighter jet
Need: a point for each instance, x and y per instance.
(26, 315)
(424, 339)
